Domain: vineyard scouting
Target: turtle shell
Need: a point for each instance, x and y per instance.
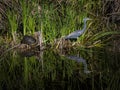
(29, 40)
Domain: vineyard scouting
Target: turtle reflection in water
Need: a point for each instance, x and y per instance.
(29, 41)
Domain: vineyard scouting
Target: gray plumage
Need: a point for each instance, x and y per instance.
(76, 34)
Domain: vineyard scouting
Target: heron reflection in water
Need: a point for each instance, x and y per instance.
(80, 59)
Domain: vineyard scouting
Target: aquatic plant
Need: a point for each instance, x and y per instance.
(12, 18)
(57, 19)
(99, 39)
(31, 25)
(25, 14)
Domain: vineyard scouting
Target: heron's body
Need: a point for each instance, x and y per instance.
(76, 34)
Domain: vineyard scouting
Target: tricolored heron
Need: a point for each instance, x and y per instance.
(74, 35)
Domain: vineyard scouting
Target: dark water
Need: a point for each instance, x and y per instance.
(93, 69)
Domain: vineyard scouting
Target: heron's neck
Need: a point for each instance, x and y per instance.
(84, 27)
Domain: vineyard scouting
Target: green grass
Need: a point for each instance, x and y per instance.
(58, 19)
(12, 18)
(25, 14)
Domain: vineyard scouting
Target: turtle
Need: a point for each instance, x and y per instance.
(29, 40)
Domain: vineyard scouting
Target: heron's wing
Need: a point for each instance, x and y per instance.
(74, 34)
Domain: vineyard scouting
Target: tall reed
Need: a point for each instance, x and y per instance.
(12, 18)
(48, 23)
(59, 18)
(25, 14)
(31, 25)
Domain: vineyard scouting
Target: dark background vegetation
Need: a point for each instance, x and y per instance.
(63, 13)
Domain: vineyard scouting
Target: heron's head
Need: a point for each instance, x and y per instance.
(85, 19)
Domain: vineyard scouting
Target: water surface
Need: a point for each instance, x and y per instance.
(88, 69)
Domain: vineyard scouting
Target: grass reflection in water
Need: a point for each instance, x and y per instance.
(51, 70)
